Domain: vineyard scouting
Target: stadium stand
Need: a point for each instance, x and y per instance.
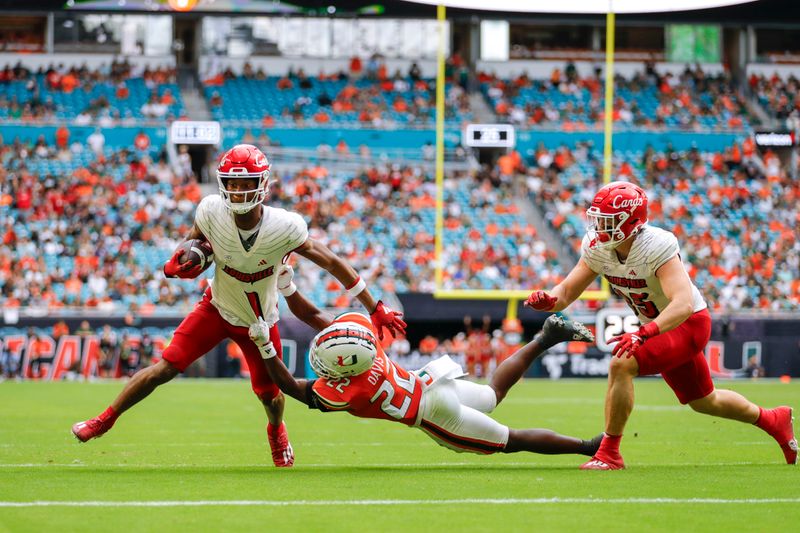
(330, 101)
(382, 219)
(780, 96)
(692, 100)
(91, 230)
(106, 231)
(99, 238)
(107, 96)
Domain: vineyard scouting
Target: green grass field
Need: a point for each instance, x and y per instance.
(204, 442)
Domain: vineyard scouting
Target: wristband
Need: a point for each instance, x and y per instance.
(650, 329)
(357, 288)
(288, 291)
(267, 351)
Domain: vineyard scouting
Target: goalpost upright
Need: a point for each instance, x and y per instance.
(512, 296)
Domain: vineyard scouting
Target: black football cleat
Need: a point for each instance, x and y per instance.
(557, 329)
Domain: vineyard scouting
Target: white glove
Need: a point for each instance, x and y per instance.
(259, 334)
(285, 283)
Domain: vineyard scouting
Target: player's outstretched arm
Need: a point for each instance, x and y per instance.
(566, 292)
(380, 314)
(289, 385)
(259, 334)
(299, 305)
(301, 390)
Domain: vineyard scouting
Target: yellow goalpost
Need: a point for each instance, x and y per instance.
(513, 296)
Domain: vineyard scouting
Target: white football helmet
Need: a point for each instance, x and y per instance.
(342, 349)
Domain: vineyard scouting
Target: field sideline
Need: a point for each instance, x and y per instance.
(194, 457)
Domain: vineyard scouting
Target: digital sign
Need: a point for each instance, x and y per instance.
(774, 139)
(195, 132)
(489, 136)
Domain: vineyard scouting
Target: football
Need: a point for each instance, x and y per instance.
(198, 252)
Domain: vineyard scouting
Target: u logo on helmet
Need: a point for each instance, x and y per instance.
(348, 360)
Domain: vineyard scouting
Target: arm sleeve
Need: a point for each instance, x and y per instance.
(327, 398)
(666, 249)
(312, 400)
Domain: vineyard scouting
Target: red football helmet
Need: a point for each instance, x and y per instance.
(618, 211)
(244, 161)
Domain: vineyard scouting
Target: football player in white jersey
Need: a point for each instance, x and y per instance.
(643, 266)
(250, 242)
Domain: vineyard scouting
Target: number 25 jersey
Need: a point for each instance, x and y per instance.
(385, 391)
(635, 280)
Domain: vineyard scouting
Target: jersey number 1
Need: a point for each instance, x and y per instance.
(255, 303)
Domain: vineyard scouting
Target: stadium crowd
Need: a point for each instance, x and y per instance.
(115, 94)
(692, 100)
(92, 228)
(377, 98)
(780, 96)
(382, 218)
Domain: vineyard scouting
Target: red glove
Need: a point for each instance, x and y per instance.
(541, 301)
(630, 342)
(384, 317)
(174, 269)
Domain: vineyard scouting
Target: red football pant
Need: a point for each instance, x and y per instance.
(678, 355)
(204, 328)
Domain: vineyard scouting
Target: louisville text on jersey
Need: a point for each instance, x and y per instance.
(627, 282)
(247, 277)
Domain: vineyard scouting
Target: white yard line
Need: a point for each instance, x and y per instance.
(360, 466)
(367, 503)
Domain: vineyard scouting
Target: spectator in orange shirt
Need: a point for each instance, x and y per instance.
(122, 92)
(167, 98)
(285, 83)
(321, 117)
(356, 67)
(60, 329)
(62, 137)
(141, 141)
(69, 82)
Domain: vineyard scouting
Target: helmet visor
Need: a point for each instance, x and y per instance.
(319, 366)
